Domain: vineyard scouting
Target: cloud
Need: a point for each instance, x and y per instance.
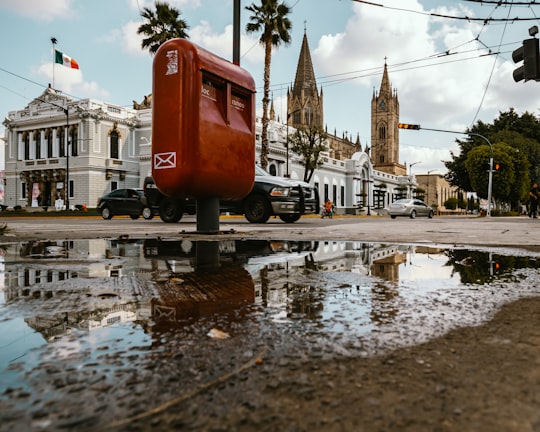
(442, 70)
(127, 39)
(71, 82)
(221, 43)
(178, 4)
(40, 10)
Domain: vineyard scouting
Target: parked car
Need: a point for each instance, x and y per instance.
(270, 196)
(410, 207)
(130, 202)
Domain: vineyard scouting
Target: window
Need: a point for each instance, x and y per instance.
(342, 198)
(26, 139)
(334, 194)
(61, 133)
(114, 137)
(272, 170)
(23, 190)
(114, 185)
(71, 188)
(49, 141)
(382, 132)
(73, 141)
(37, 137)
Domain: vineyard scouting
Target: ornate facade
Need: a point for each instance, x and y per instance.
(62, 152)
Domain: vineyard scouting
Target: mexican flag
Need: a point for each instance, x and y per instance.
(61, 58)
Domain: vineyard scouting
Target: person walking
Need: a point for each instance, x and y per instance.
(533, 201)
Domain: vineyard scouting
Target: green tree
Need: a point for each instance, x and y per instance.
(309, 142)
(521, 134)
(510, 181)
(270, 19)
(161, 25)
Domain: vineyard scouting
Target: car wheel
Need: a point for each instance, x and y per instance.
(147, 213)
(430, 215)
(393, 216)
(413, 214)
(289, 218)
(106, 213)
(257, 209)
(170, 210)
(134, 217)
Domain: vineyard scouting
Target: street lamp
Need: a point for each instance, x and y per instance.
(411, 165)
(66, 112)
(490, 177)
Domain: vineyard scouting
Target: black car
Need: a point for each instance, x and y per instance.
(271, 196)
(124, 202)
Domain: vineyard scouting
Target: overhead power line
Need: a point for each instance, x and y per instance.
(464, 18)
(505, 3)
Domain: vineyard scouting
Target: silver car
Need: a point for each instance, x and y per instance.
(410, 207)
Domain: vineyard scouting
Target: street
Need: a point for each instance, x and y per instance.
(447, 230)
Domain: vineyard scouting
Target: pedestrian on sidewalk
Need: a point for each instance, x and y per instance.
(533, 201)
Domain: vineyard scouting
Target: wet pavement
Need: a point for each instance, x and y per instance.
(97, 333)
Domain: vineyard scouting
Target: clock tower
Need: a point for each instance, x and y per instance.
(384, 130)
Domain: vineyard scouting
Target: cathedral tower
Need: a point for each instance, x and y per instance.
(384, 130)
(304, 103)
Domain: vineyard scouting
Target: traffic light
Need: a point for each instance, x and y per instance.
(408, 126)
(497, 166)
(529, 54)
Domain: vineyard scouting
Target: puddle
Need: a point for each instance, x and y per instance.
(109, 303)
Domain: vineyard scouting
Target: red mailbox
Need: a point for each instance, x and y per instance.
(203, 124)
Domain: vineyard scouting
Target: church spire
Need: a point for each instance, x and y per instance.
(304, 99)
(386, 88)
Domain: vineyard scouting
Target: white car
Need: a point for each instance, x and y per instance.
(410, 207)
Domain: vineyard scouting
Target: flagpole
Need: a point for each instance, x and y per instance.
(53, 40)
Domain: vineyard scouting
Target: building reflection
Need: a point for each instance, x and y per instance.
(92, 284)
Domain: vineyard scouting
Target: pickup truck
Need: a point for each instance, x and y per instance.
(271, 196)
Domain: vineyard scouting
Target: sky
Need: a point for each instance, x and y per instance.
(449, 61)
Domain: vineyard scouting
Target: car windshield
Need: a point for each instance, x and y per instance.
(260, 172)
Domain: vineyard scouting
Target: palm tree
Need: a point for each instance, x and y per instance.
(269, 18)
(161, 25)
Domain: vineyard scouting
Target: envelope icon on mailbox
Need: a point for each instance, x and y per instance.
(165, 160)
(164, 312)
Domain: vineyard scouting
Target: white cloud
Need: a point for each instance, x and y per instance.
(39, 9)
(71, 82)
(221, 43)
(127, 39)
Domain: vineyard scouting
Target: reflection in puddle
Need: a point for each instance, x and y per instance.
(61, 299)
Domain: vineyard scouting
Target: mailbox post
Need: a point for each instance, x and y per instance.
(203, 133)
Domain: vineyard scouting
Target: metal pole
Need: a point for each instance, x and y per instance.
(66, 187)
(53, 40)
(490, 183)
(208, 216)
(236, 32)
(287, 147)
(490, 176)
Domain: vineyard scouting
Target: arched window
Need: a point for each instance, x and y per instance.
(272, 170)
(382, 132)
